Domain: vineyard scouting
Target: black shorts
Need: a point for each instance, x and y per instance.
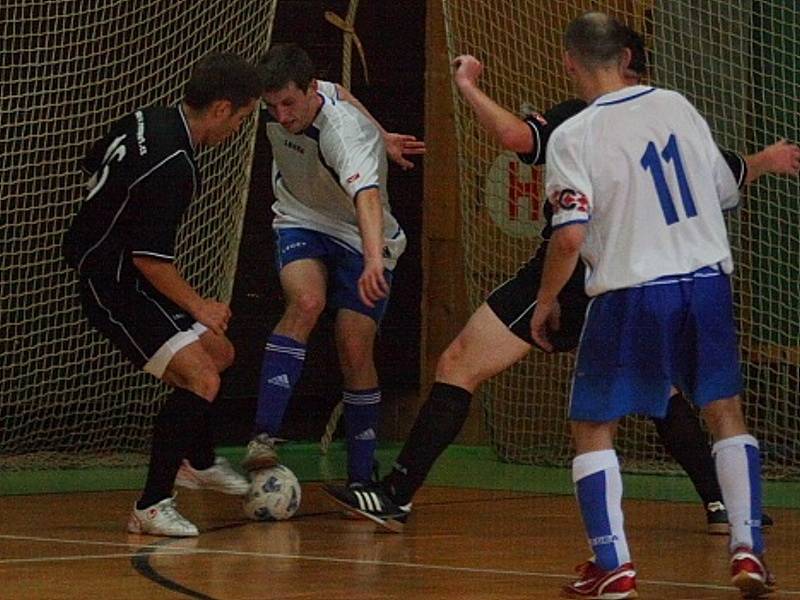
(142, 323)
(513, 302)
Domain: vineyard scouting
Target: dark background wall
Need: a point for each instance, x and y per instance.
(393, 36)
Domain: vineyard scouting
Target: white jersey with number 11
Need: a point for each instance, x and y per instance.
(640, 168)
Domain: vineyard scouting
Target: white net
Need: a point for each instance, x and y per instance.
(69, 69)
(736, 61)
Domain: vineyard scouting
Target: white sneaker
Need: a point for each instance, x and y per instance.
(162, 518)
(261, 453)
(220, 477)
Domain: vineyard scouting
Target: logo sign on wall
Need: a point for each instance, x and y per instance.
(513, 196)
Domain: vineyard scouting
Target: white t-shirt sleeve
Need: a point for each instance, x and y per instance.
(353, 151)
(328, 89)
(568, 186)
(724, 181)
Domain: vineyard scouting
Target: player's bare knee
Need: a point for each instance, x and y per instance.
(450, 367)
(305, 309)
(205, 384)
(224, 355)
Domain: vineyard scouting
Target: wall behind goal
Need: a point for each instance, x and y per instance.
(69, 69)
(737, 61)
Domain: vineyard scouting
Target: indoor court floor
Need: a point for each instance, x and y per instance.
(460, 543)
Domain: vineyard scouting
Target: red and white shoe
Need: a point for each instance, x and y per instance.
(749, 573)
(603, 585)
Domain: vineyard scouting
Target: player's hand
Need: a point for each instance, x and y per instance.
(546, 317)
(782, 158)
(400, 145)
(372, 285)
(467, 69)
(214, 315)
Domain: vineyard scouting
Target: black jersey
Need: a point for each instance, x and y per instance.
(144, 176)
(542, 126)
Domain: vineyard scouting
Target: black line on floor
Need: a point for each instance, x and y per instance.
(141, 562)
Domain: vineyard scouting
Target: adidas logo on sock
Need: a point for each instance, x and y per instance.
(281, 380)
(367, 434)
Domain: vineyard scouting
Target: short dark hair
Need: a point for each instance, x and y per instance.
(222, 76)
(284, 64)
(635, 43)
(595, 39)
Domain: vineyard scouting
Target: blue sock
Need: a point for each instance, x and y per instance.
(280, 370)
(598, 485)
(361, 415)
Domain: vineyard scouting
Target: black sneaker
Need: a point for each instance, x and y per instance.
(370, 500)
(717, 518)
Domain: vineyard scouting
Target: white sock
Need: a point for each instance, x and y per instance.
(739, 473)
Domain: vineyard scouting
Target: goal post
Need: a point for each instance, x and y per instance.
(69, 69)
(736, 61)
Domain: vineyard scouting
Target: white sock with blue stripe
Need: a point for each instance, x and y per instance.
(739, 473)
(598, 487)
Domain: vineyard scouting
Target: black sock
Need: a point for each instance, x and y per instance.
(437, 425)
(174, 433)
(687, 443)
(201, 455)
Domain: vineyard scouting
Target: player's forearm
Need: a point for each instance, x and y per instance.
(563, 252)
(166, 279)
(780, 158)
(509, 130)
(369, 212)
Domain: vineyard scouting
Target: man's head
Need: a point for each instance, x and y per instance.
(595, 46)
(289, 86)
(221, 93)
(637, 67)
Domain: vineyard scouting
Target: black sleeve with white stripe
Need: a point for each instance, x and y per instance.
(737, 164)
(542, 126)
(159, 202)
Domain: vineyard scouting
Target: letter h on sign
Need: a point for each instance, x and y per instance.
(519, 189)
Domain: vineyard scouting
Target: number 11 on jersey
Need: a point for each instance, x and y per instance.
(651, 160)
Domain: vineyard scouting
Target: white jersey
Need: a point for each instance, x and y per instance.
(640, 168)
(317, 174)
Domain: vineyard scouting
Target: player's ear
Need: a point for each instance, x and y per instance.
(313, 86)
(222, 109)
(625, 59)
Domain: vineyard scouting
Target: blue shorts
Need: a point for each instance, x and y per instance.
(637, 342)
(344, 266)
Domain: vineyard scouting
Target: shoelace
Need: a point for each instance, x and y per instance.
(171, 512)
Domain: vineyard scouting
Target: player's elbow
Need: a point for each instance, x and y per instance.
(517, 138)
(568, 239)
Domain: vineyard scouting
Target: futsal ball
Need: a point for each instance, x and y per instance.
(274, 494)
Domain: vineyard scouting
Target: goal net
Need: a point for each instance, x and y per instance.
(69, 69)
(736, 61)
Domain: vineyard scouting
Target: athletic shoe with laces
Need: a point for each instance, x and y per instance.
(717, 518)
(261, 453)
(163, 519)
(596, 583)
(371, 501)
(219, 477)
(749, 573)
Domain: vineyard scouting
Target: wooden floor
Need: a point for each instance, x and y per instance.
(466, 544)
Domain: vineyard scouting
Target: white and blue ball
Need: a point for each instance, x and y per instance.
(274, 494)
